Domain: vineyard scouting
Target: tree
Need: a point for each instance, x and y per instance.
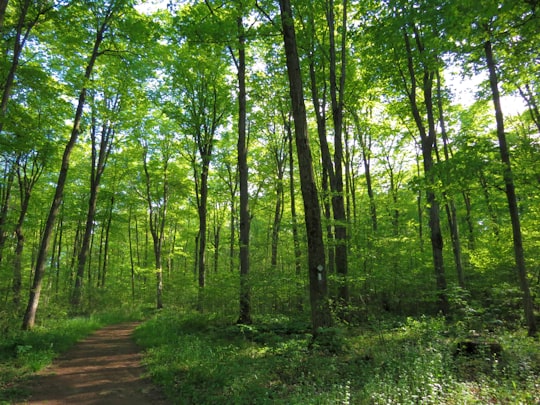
(103, 17)
(320, 313)
(510, 191)
(104, 136)
(198, 105)
(157, 197)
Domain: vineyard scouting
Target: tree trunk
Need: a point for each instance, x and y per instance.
(450, 205)
(26, 185)
(5, 198)
(233, 185)
(202, 237)
(105, 265)
(157, 214)
(3, 7)
(35, 292)
(242, 147)
(528, 95)
(294, 220)
(428, 142)
(99, 160)
(510, 192)
(217, 236)
(278, 214)
(336, 182)
(20, 39)
(320, 313)
(319, 106)
(131, 258)
(365, 144)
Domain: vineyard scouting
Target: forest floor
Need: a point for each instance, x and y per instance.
(104, 368)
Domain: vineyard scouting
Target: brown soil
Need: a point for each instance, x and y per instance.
(103, 369)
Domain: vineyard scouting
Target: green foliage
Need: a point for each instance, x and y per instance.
(204, 359)
(25, 352)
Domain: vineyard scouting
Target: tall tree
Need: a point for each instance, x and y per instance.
(510, 191)
(320, 313)
(200, 101)
(157, 195)
(427, 141)
(242, 151)
(102, 137)
(103, 16)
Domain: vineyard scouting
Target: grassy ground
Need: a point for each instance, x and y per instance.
(201, 360)
(23, 353)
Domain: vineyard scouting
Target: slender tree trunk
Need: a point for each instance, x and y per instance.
(327, 165)
(217, 237)
(17, 264)
(278, 214)
(428, 138)
(294, 220)
(26, 185)
(105, 266)
(3, 7)
(99, 160)
(350, 183)
(131, 258)
(327, 211)
(5, 198)
(201, 260)
(510, 192)
(157, 214)
(419, 205)
(233, 184)
(242, 147)
(137, 243)
(337, 91)
(450, 205)
(320, 313)
(20, 38)
(35, 292)
(529, 97)
(365, 144)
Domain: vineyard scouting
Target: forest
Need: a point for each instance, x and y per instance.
(318, 202)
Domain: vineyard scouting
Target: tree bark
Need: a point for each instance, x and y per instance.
(320, 313)
(35, 292)
(131, 258)
(510, 192)
(294, 220)
(157, 213)
(450, 205)
(365, 144)
(3, 7)
(280, 157)
(5, 198)
(428, 138)
(26, 184)
(336, 182)
(242, 148)
(99, 161)
(105, 263)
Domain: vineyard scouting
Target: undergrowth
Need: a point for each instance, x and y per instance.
(25, 352)
(200, 359)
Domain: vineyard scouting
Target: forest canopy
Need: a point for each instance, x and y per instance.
(253, 157)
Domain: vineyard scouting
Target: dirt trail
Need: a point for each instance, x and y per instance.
(102, 369)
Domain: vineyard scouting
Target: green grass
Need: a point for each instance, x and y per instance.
(203, 360)
(25, 352)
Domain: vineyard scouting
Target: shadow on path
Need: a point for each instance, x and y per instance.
(102, 369)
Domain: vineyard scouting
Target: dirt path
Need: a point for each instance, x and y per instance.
(102, 369)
